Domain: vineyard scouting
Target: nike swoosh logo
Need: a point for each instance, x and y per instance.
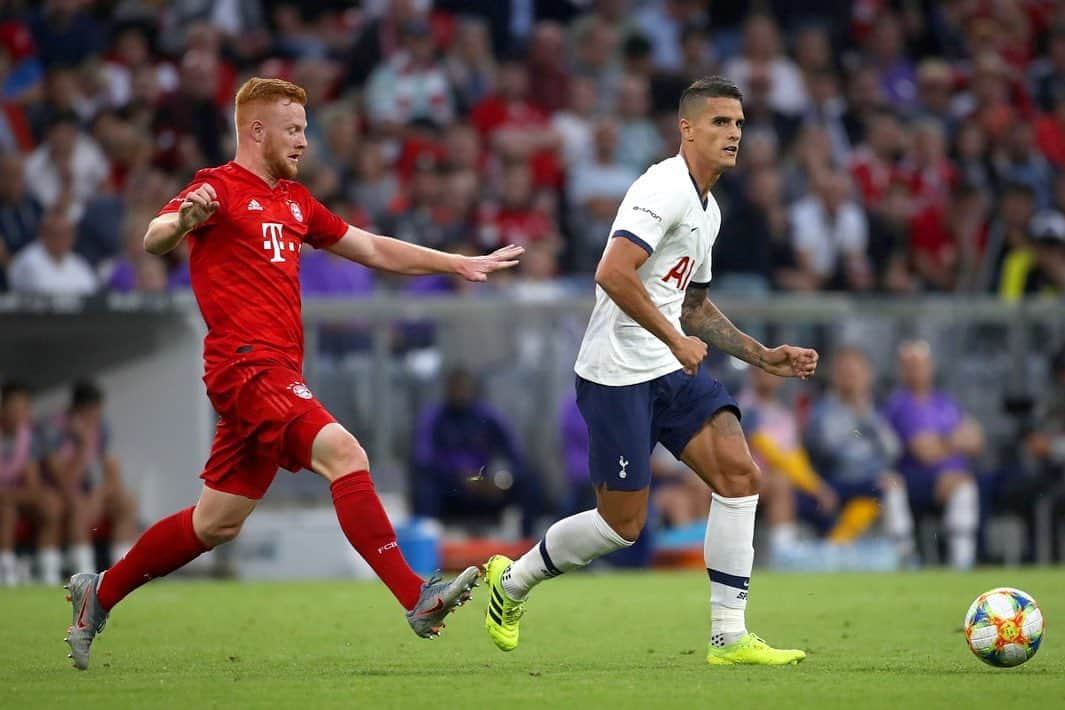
(80, 623)
(694, 228)
(437, 607)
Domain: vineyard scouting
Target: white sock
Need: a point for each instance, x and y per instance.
(961, 516)
(83, 559)
(49, 564)
(898, 521)
(569, 544)
(728, 551)
(8, 568)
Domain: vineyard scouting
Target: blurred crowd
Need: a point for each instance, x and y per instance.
(63, 500)
(896, 470)
(890, 146)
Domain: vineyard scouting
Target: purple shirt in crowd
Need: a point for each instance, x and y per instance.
(574, 443)
(323, 273)
(910, 416)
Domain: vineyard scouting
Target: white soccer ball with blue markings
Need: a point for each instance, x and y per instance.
(1004, 627)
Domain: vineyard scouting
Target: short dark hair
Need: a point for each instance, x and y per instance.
(708, 88)
(85, 393)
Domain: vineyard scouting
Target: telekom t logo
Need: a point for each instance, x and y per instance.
(272, 240)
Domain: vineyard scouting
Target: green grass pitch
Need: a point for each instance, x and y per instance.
(588, 640)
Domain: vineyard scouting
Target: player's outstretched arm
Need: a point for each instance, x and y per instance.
(388, 254)
(701, 318)
(167, 230)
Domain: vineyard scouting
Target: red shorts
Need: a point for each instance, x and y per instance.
(268, 419)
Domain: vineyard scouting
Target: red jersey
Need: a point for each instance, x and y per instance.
(244, 263)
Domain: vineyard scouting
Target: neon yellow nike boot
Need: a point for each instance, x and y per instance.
(749, 650)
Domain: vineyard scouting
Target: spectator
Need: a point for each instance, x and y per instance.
(81, 467)
(513, 127)
(65, 33)
(988, 101)
(375, 187)
(972, 160)
(948, 243)
(1048, 74)
(875, 162)
(639, 143)
(855, 449)
(596, 189)
(763, 57)
(1008, 233)
(663, 23)
(1038, 267)
(417, 215)
(469, 63)
(466, 461)
(189, 126)
(412, 85)
(20, 213)
(830, 235)
(1035, 477)
(929, 172)
(49, 264)
(516, 218)
(753, 252)
(886, 51)
(379, 39)
(940, 446)
(596, 56)
(1050, 131)
(827, 109)
(135, 269)
(772, 430)
(865, 99)
(935, 93)
(574, 122)
(67, 168)
(548, 75)
(22, 492)
(1016, 159)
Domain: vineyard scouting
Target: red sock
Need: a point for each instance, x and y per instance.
(164, 547)
(369, 531)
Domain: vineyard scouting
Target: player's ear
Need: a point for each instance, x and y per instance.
(258, 130)
(686, 129)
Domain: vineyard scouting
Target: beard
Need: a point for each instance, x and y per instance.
(278, 164)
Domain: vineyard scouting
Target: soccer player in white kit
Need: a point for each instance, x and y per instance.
(640, 381)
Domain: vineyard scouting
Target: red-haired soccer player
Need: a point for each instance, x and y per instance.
(246, 222)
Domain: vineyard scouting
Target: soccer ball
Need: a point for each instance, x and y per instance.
(1004, 627)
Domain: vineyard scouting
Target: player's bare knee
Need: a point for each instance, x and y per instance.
(350, 456)
(741, 477)
(215, 533)
(627, 524)
(338, 455)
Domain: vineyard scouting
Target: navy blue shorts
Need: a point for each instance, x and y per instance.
(625, 423)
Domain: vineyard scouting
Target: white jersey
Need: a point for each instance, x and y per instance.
(662, 212)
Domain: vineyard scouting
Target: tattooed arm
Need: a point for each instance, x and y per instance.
(701, 318)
